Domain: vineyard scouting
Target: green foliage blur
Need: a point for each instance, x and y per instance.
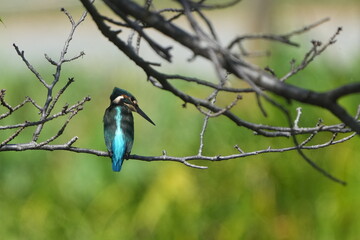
(64, 195)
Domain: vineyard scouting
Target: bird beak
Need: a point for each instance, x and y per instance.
(139, 111)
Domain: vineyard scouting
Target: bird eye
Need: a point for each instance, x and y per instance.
(133, 100)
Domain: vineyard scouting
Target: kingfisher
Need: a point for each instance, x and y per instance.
(119, 125)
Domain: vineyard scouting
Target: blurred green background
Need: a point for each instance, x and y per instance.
(64, 195)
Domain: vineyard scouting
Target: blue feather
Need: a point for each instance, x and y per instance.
(118, 146)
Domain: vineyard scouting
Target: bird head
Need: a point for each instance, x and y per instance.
(121, 97)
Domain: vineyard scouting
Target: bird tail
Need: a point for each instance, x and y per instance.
(118, 152)
(116, 165)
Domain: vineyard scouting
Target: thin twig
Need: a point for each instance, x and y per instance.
(315, 51)
(202, 133)
(13, 136)
(30, 67)
(297, 119)
(283, 38)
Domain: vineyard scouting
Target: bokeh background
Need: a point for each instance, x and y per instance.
(64, 195)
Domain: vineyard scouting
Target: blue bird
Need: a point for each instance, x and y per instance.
(119, 125)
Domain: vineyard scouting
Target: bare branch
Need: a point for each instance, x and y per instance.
(6, 141)
(49, 104)
(66, 110)
(312, 54)
(2, 101)
(13, 109)
(201, 146)
(164, 157)
(60, 132)
(284, 38)
(307, 28)
(70, 80)
(30, 67)
(297, 119)
(220, 112)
